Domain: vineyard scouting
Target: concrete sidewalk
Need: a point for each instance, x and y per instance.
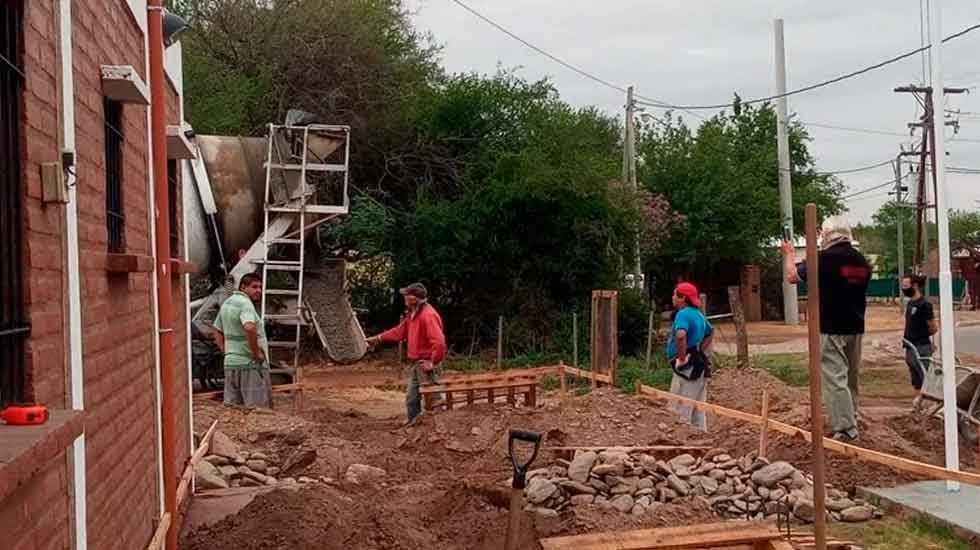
(958, 510)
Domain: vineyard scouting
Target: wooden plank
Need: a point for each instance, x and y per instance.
(764, 430)
(535, 372)
(532, 396)
(510, 395)
(449, 400)
(183, 487)
(781, 545)
(470, 397)
(562, 383)
(846, 449)
(594, 376)
(674, 538)
(160, 535)
(634, 449)
(477, 387)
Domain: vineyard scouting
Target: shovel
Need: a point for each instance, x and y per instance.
(520, 480)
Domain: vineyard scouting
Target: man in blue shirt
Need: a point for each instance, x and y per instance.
(690, 338)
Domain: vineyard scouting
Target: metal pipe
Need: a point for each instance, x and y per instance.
(158, 129)
(76, 387)
(816, 397)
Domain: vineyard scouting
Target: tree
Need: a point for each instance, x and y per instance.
(723, 179)
(886, 227)
(530, 223)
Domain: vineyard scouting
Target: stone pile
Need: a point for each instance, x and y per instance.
(227, 465)
(745, 487)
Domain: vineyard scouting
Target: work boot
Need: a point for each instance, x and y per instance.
(411, 422)
(846, 437)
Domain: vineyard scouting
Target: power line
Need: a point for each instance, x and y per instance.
(872, 188)
(824, 83)
(856, 130)
(853, 170)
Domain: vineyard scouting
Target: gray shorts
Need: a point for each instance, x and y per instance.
(248, 386)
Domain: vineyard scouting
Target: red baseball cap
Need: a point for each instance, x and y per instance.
(690, 292)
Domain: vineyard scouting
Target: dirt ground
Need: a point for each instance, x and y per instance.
(447, 477)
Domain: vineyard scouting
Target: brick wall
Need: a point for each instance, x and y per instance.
(36, 516)
(183, 448)
(117, 308)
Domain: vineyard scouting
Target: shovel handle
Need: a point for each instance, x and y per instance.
(520, 470)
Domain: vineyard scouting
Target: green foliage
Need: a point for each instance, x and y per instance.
(631, 369)
(723, 178)
(791, 368)
(530, 223)
(886, 227)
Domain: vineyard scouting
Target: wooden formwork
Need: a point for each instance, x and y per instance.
(727, 535)
(468, 389)
(605, 332)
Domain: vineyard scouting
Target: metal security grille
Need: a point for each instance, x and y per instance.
(14, 329)
(114, 218)
(172, 202)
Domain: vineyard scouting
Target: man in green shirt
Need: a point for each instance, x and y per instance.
(241, 335)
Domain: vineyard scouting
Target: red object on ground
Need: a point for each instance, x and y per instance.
(422, 329)
(25, 415)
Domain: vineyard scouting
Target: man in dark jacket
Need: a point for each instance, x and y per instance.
(844, 277)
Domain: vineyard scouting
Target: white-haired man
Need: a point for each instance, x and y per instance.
(844, 276)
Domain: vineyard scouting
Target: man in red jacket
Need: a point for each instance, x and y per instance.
(421, 327)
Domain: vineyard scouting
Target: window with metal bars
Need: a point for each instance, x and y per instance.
(172, 203)
(114, 217)
(14, 329)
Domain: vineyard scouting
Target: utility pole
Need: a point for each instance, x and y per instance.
(629, 178)
(948, 351)
(898, 221)
(927, 154)
(791, 306)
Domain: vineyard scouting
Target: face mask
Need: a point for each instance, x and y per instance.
(908, 292)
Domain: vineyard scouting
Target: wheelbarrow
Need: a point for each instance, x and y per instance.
(967, 392)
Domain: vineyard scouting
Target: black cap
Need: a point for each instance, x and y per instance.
(415, 289)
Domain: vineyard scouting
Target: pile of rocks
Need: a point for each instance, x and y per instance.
(745, 487)
(227, 465)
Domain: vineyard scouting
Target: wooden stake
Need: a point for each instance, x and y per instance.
(500, 342)
(561, 379)
(649, 337)
(299, 395)
(764, 432)
(816, 400)
(741, 335)
(575, 340)
(160, 535)
(637, 386)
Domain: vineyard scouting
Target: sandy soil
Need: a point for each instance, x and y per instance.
(446, 482)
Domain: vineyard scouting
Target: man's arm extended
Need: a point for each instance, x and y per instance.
(789, 263)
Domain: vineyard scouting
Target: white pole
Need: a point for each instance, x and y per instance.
(79, 469)
(948, 351)
(791, 310)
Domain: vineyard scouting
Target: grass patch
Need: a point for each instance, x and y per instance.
(791, 368)
(894, 533)
(631, 369)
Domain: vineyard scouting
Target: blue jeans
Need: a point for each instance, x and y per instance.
(418, 378)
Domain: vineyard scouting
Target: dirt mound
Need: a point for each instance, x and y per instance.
(414, 516)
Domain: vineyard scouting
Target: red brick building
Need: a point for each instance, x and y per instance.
(78, 296)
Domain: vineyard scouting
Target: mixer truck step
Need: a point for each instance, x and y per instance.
(281, 292)
(284, 241)
(310, 167)
(310, 209)
(281, 265)
(282, 344)
(281, 316)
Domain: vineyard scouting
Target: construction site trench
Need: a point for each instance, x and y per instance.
(343, 473)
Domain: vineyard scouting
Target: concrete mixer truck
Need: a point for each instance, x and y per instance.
(254, 205)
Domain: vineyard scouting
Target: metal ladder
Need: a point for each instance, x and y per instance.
(296, 247)
(289, 204)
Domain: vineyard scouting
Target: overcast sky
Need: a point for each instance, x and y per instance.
(701, 51)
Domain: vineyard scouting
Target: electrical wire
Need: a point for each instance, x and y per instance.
(857, 130)
(873, 188)
(654, 102)
(822, 84)
(854, 170)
